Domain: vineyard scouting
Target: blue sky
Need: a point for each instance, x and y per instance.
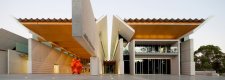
(212, 32)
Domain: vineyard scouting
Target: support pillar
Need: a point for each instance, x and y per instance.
(132, 57)
(187, 58)
(120, 55)
(94, 61)
(121, 67)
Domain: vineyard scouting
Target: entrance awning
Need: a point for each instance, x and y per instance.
(57, 31)
(163, 28)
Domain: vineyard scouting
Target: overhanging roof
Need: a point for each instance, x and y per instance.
(9, 39)
(57, 31)
(162, 28)
(119, 27)
(123, 29)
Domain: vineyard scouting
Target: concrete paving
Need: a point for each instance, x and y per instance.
(104, 77)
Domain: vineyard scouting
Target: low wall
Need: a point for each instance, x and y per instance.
(17, 62)
(43, 58)
(206, 73)
(3, 62)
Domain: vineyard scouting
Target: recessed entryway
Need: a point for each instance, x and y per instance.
(152, 66)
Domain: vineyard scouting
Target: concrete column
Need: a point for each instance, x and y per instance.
(94, 61)
(3, 62)
(29, 63)
(17, 64)
(121, 62)
(187, 58)
(121, 67)
(100, 68)
(175, 62)
(175, 66)
(132, 57)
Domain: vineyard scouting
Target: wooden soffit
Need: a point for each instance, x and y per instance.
(58, 32)
(162, 28)
(157, 31)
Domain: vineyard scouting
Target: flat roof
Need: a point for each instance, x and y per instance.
(44, 20)
(57, 31)
(162, 28)
(9, 39)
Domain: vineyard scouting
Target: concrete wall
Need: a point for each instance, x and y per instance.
(115, 39)
(119, 27)
(132, 57)
(187, 58)
(103, 34)
(42, 59)
(206, 73)
(17, 62)
(85, 31)
(119, 58)
(175, 61)
(175, 66)
(3, 62)
(94, 61)
(103, 47)
(84, 27)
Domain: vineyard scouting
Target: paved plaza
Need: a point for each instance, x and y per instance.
(104, 77)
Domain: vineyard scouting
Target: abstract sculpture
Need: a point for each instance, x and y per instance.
(76, 66)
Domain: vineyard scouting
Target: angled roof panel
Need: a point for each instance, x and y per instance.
(103, 34)
(124, 29)
(59, 33)
(162, 28)
(119, 27)
(8, 39)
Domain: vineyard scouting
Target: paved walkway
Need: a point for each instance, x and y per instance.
(104, 77)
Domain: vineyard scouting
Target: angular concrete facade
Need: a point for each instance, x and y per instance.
(13, 53)
(144, 46)
(187, 58)
(158, 46)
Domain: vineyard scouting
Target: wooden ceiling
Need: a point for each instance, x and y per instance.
(57, 31)
(160, 31)
(162, 28)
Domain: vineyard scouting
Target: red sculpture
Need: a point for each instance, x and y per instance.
(76, 66)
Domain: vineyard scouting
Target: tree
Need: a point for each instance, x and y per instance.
(210, 57)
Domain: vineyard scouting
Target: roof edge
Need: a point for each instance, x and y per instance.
(44, 20)
(155, 20)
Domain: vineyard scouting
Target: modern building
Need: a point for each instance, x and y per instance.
(154, 46)
(13, 53)
(55, 42)
(139, 46)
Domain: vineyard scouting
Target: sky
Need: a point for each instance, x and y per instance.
(211, 32)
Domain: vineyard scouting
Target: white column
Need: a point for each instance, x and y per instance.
(121, 62)
(187, 58)
(29, 64)
(175, 62)
(175, 67)
(132, 57)
(94, 61)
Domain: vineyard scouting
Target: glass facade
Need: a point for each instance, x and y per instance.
(22, 47)
(156, 49)
(152, 66)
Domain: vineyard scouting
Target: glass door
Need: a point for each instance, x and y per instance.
(109, 67)
(152, 66)
(139, 66)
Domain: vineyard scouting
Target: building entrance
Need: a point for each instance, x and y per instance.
(109, 67)
(152, 66)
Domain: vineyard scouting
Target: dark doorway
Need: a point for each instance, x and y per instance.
(126, 67)
(152, 66)
(126, 64)
(109, 67)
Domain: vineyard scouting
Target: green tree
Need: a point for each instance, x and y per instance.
(210, 57)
